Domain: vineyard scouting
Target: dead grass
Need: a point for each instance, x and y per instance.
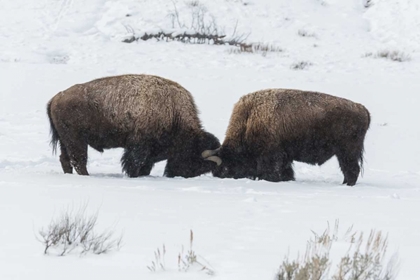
(368, 3)
(159, 262)
(188, 260)
(364, 259)
(301, 65)
(305, 33)
(260, 48)
(397, 56)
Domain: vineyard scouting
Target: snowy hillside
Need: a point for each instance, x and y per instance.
(242, 228)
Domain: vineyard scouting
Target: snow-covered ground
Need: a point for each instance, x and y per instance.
(242, 228)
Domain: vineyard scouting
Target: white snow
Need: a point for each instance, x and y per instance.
(242, 228)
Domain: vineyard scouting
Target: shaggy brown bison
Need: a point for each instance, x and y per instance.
(269, 129)
(152, 118)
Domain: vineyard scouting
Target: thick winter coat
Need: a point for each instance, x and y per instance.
(152, 118)
(270, 129)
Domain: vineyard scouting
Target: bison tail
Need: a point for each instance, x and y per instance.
(53, 130)
(362, 158)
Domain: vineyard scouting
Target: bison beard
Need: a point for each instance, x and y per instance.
(152, 118)
(270, 129)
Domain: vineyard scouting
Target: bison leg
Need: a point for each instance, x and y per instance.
(146, 169)
(288, 174)
(349, 164)
(179, 166)
(136, 161)
(78, 157)
(65, 160)
(274, 168)
(172, 168)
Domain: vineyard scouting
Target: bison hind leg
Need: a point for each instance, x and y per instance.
(349, 164)
(74, 150)
(65, 159)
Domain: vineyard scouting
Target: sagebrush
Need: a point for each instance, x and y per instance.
(201, 28)
(76, 230)
(300, 65)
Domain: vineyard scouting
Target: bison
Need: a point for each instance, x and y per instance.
(269, 129)
(152, 118)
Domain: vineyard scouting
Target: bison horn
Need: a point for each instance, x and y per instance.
(215, 159)
(208, 153)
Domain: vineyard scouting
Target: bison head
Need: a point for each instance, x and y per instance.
(189, 163)
(229, 163)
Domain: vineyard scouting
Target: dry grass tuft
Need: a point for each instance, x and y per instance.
(300, 65)
(190, 259)
(364, 259)
(397, 56)
(256, 48)
(304, 33)
(187, 261)
(159, 262)
(367, 3)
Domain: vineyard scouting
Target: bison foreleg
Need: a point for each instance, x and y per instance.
(288, 174)
(269, 169)
(135, 162)
(275, 168)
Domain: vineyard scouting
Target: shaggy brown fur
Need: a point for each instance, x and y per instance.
(269, 129)
(151, 117)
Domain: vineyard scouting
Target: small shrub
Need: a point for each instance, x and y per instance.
(397, 56)
(201, 21)
(304, 33)
(71, 231)
(201, 29)
(300, 65)
(368, 3)
(193, 3)
(362, 261)
(322, 2)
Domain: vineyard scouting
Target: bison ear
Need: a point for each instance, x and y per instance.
(209, 153)
(215, 159)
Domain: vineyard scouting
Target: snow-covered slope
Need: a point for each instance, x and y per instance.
(243, 228)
